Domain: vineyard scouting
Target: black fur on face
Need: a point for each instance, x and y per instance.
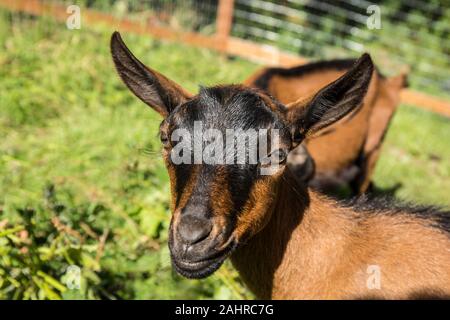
(221, 108)
(225, 107)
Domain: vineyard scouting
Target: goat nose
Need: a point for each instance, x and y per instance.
(193, 229)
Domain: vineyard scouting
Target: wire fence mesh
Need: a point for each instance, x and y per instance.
(415, 33)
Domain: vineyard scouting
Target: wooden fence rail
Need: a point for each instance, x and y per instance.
(221, 41)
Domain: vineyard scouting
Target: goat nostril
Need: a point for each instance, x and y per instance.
(193, 229)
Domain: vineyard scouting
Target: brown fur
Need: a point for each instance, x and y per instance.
(383, 110)
(313, 249)
(222, 201)
(187, 192)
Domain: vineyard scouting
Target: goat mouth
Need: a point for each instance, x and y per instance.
(203, 268)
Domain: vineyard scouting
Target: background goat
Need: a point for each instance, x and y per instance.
(346, 153)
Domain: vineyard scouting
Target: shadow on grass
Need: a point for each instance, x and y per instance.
(345, 192)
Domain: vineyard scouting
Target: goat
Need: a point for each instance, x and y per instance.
(286, 240)
(346, 153)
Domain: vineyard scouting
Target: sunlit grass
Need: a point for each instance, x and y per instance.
(416, 157)
(78, 146)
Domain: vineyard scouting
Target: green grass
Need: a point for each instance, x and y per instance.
(416, 157)
(77, 145)
(81, 175)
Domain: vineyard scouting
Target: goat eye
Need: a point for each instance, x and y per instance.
(278, 156)
(164, 140)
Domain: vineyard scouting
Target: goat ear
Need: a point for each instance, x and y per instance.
(150, 86)
(333, 102)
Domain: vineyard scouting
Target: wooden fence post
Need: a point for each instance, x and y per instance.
(224, 23)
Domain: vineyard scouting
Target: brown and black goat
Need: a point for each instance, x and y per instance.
(286, 240)
(346, 153)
